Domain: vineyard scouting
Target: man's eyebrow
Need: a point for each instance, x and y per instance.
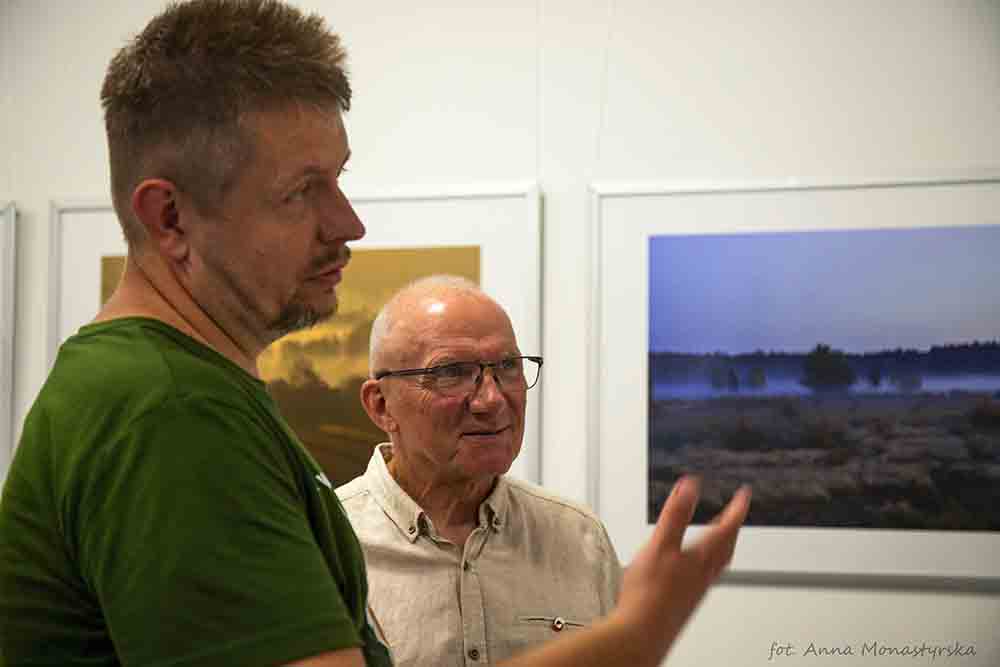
(294, 178)
(310, 170)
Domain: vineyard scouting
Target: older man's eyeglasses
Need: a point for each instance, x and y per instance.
(462, 377)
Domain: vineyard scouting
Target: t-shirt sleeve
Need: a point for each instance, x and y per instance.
(197, 543)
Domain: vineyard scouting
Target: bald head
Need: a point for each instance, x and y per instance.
(403, 314)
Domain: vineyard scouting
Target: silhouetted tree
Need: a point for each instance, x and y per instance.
(875, 376)
(908, 382)
(827, 370)
(733, 380)
(757, 378)
(718, 378)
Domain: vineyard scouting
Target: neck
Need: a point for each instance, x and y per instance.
(452, 505)
(149, 288)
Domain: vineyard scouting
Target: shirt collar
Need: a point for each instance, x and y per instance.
(401, 509)
(407, 515)
(493, 511)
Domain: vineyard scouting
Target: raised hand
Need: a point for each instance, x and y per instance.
(665, 582)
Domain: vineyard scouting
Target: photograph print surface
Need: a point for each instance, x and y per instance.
(852, 377)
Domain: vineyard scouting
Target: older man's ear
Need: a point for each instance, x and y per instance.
(373, 400)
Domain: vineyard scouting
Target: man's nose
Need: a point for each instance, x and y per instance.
(338, 220)
(487, 393)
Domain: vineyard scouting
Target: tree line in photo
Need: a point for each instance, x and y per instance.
(827, 370)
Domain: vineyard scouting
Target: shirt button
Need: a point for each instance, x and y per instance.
(558, 623)
(411, 530)
(473, 654)
(466, 566)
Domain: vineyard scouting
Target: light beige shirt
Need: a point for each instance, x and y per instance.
(535, 567)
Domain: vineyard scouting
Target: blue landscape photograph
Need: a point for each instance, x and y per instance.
(852, 376)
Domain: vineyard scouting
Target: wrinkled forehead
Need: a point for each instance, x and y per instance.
(463, 324)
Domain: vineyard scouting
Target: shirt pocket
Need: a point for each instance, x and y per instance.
(527, 631)
(549, 624)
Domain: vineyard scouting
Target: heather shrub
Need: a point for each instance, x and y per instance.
(986, 414)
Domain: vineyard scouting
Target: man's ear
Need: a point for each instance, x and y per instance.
(374, 402)
(155, 205)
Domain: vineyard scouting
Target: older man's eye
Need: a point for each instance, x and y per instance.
(511, 364)
(452, 371)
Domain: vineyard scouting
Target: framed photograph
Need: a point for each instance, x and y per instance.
(8, 269)
(836, 346)
(491, 236)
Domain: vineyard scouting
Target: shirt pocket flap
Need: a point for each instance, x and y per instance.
(550, 623)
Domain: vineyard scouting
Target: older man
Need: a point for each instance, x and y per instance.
(464, 563)
(159, 511)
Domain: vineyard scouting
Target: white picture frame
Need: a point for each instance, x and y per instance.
(8, 275)
(623, 218)
(503, 220)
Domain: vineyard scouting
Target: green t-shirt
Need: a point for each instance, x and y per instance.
(159, 511)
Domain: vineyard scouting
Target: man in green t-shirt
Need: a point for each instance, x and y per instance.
(158, 510)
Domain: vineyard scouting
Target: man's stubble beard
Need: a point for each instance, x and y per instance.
(297, 316)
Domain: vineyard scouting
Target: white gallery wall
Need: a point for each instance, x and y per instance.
(565, 94)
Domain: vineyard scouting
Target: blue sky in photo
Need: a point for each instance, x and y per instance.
(856, 290)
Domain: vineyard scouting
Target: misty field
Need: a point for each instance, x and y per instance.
(905, 461)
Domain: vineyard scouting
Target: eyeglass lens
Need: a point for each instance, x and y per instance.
(512, 374)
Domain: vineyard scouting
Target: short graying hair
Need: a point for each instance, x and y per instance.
(176, 97)
(430, 285)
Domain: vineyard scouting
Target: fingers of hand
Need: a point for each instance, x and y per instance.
(716, 544)
(736, 510)
(676, 514)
